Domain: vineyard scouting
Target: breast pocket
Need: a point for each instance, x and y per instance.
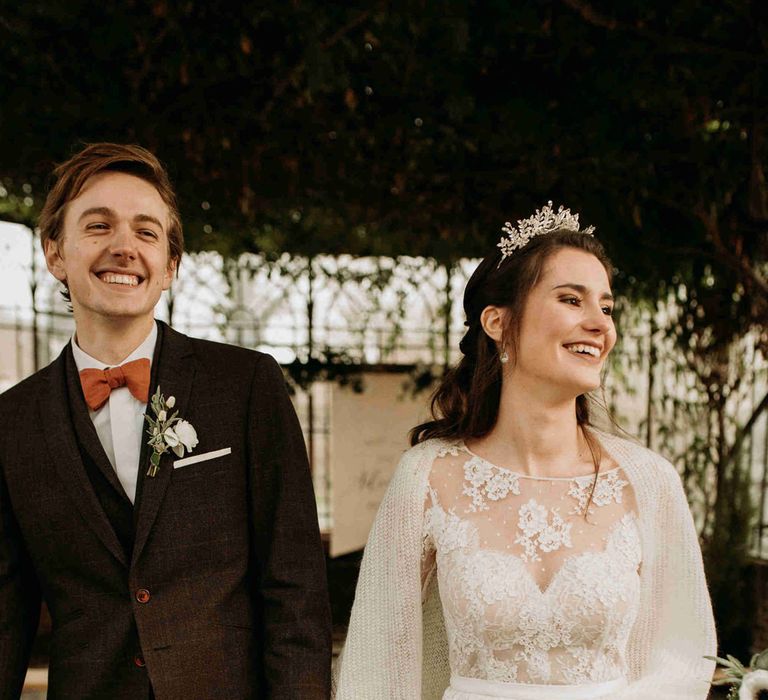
(202, 464)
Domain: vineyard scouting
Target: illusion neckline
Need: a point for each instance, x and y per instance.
(630, 519)
(520, 475)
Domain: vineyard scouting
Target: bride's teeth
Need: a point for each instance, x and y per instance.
(584, 349)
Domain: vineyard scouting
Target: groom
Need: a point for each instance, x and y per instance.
(188, 568)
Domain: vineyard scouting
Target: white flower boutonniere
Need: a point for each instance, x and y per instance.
(167, 431)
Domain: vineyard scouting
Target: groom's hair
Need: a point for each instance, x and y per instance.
(95, 158)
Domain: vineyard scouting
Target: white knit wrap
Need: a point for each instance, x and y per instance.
(396, 647)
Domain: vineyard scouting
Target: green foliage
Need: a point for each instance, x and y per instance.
(734, 669)
(325, 365)
(390, 128)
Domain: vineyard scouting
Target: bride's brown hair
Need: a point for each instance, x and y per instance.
(466, 403)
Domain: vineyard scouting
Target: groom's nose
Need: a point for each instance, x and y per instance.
(122, 243)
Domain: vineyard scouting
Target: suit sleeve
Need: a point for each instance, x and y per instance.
(296, 644)
(19, 601)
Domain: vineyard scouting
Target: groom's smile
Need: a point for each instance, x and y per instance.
(113, 254)
(119, 278)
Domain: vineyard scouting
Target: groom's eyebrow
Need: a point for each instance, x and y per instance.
(140, 218)
(110, 213)
(101, 211)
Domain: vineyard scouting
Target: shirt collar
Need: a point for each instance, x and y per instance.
(145, 350)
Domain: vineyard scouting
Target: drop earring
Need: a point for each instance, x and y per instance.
(504, 357)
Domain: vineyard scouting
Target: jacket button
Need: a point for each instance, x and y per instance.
(139, 661)
(142, 595)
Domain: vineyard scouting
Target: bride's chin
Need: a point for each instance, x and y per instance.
(581, 389)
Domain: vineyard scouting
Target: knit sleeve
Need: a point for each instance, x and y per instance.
(675, 628)
(381, 659)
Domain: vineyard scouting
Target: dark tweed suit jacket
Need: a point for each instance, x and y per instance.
(212, 586)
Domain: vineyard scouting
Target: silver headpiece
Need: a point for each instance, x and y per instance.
(545, 220)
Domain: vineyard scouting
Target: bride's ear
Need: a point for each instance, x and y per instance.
(493, 320)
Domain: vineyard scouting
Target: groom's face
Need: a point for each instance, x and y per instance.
(113, 253)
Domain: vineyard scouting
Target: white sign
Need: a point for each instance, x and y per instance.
(369, 433)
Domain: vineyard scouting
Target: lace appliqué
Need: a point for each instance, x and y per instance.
(452, 450)
(448, 531)
(484, 481)
(502, 627)
(608, 489)
(624, 541)
(514, 613)
(539, 533)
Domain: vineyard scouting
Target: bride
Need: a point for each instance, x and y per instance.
(519, 552)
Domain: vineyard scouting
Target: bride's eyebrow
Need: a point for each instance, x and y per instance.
(581, 289)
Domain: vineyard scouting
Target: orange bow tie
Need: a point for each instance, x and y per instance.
(98, 383)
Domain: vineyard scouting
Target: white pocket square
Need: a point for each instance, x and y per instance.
(202, 457)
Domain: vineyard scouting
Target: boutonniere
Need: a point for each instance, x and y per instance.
(167, 431)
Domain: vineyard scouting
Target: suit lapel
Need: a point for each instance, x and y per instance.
(63, 446)
(173, 371)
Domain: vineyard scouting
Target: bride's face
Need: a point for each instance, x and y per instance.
(567, 331)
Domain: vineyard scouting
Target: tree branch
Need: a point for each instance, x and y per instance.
(281, 87)
(672, 43)
(591, 15)
(348, 27)
(746, 429)
(738, 263)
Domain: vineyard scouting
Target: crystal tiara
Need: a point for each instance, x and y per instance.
(545, 220)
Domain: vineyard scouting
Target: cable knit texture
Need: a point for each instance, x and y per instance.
(397, 647)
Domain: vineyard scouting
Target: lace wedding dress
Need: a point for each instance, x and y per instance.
(538, 577)
(478, 582)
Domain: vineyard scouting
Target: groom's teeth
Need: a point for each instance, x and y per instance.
(111, 278)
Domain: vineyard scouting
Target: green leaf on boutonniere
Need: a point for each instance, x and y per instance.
(154, 463)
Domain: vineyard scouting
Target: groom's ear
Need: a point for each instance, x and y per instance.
(173, 265)
(53, 260)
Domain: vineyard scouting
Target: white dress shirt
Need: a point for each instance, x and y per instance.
(120, 421)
